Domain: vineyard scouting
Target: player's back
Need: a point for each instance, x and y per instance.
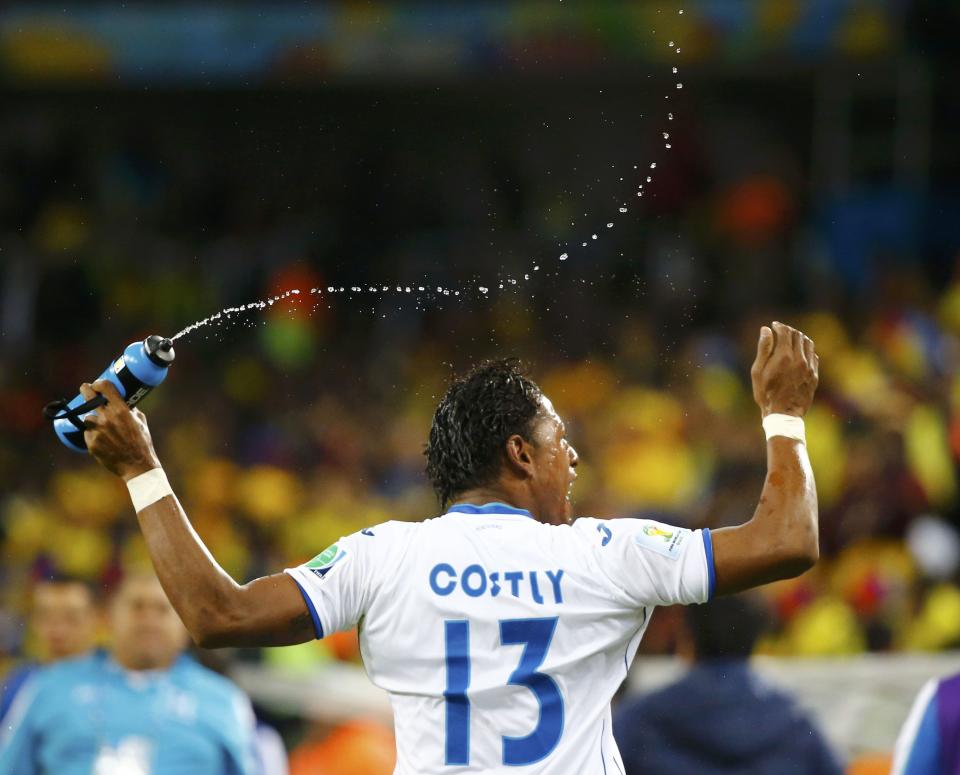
(500, 639)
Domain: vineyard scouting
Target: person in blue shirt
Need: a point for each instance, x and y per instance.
(143, 708)
(721, 718)
(63, 618)
(929, 741)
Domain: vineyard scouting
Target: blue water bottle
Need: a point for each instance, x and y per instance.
(138, 370)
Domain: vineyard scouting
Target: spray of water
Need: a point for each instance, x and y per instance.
(424, 293)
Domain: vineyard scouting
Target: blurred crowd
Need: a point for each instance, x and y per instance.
(283, 429)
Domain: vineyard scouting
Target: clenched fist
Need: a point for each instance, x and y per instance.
(116, 436)
(785, 372)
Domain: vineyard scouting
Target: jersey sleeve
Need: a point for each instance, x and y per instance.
(917, 750)
(339, 583)
(18, 737)
(652, 563)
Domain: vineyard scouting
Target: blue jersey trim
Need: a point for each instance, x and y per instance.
(488, 508)
(603, 761)
(711, 570)
(925, 748)
(317, 627)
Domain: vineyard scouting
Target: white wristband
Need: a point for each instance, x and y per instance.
(784, 425)
(148, 488)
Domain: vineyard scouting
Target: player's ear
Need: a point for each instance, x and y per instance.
(519, 454)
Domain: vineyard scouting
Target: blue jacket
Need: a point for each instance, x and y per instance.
(12, 682)
(83, 714)
(721, 718)
(929, 742)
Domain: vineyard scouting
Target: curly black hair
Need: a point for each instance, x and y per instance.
(473, 421)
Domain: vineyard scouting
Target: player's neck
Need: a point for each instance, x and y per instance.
(494, 494)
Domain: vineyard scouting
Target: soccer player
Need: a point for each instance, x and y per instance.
(144, 708)
(500, 629)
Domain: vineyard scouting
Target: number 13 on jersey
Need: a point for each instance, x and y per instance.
(535, 635)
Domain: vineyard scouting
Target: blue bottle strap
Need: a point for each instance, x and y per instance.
(51, 410)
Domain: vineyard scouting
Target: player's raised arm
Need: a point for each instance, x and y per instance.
(782, 538)
(217, 611)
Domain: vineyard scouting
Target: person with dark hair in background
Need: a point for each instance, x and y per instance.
(143, 708)
(501, 628)
(63, 618)
(721, 718)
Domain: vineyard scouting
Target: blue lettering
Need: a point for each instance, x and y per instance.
(555, 580)
(437, 570)
(476, 581)
(535, 588)
(605, 532)
(514, 577)
(469, 571)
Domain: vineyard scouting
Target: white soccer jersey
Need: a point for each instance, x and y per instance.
(501, 640)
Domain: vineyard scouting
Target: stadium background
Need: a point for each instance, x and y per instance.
(159, 162)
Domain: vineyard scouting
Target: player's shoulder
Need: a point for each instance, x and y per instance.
(59, 676)
(81, 666)
(646, 533)
(385, 537)
(202, 679)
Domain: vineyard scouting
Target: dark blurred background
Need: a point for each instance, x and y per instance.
(161, 161)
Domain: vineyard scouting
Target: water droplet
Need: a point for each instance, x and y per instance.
(674, 71)
(536, 269)
(329, 289)
(609, 225)
(593, 236)
(666, 135)
(649, 179)
(679, 85)
(668, 146)
(671, 44)
(670, 116)
(653, 165)
(623, 209)
(564, 256)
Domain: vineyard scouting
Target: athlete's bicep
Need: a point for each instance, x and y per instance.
(272, 612)
(741, 561)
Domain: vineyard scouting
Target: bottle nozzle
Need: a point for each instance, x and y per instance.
(159, 349)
